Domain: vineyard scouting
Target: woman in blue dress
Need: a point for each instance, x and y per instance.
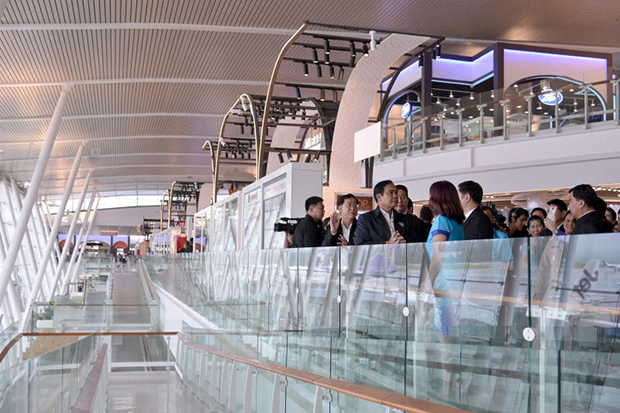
(446, 207)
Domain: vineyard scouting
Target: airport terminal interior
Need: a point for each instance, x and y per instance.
(172, 173)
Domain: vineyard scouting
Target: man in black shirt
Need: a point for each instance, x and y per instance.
(582, 204)
(476, 225)
(309, 231)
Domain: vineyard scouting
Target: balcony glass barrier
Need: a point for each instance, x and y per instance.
(46, 373)
(528, 109)
(530, 323)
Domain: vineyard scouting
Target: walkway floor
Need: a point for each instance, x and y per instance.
(155, 391)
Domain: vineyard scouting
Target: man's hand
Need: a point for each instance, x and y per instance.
(334, 223)
(396, 238)
(342, 241)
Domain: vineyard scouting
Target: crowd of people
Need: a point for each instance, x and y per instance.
(452, 214)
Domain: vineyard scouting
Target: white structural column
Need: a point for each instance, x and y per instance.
(48, 265)
(76, 247)
(51, 239)
(46, 230)
(65, 250)
(31, 196)
(14, 298)
(27, 282)
(48, 219)
(76, 267)
(30, 224)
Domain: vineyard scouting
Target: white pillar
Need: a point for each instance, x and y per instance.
(14, 298)
(48, 218)
(48, 265)
(76, 267)
(49, 246)
(78, 240)
(76, 215)
(26, 282)
(30, 224)
(31, 196)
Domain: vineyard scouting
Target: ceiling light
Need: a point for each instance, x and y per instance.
(315, 56)
(451, 95)
(365, 49)
(491, 110)
(438, 101)
(298, 92)
(518, 106)
(326, 46)
(322, 95)
(471, 96)
(574, 102)
(545, 113)
(373, 42)
(539, 107)
(470, 117)
(352, 49)
(458, 102)
(305, 69)
(571, 90)
(516, 86)
(592, 104)
(331, 72)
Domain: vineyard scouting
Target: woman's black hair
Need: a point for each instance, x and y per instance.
(516, 213)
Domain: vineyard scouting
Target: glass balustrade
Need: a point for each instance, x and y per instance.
(533, 108)
(478, 325)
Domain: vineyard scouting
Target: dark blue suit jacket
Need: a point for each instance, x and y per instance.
(372, 228)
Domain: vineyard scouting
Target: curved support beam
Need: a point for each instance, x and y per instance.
(170, 202)
(161, 211)
(260, 153)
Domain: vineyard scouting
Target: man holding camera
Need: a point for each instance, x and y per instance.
(309, 231)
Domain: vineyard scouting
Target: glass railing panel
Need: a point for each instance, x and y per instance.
(373, 291)
(284, 272)
(259, 289)
(318, 278)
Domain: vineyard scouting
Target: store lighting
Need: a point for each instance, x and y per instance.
(322, 95)
(298, 92)
(545, 113)
(471, 117)
(352, 49)
(571, 90)
(471, 96)
(574, 102)
(326, 47)
(373, 42)
(305, 69)
(315, 56)
(519, 106)
(592, 104)
(438, 101)
(491, 110)
(458, 102)
(451, 95)
(492, 94)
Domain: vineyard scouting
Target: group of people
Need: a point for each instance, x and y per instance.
(452, 214)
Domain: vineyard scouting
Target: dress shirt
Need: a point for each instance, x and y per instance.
(388, 218)
(346, 232)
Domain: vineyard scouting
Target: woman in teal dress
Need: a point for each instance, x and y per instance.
(446, 207)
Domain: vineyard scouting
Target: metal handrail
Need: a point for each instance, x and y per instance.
(85, 399)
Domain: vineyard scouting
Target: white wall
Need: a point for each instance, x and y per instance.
(520, 164)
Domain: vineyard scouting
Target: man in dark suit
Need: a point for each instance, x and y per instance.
(341, 230)
(477, 224)
(582, 204)
(384, 225)
(309, 231)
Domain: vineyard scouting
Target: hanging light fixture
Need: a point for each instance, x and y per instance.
(326, 46)
(352, 49)
(298, 92)
(305, 69)
(493, 94)
(471, 96)
(315, 56)
(365, 49)
(322, 95)
(458, 102)
(451, 95)
(331, 72)
(438, 101)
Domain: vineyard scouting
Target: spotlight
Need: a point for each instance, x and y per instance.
(352, 61)
(593, 104)
(305, 69)
(319, 72)
(458, 102)
(365, 49)
(438, 48)
(451, 95)
(341, 73)
(298, 92)
(373, 42)
(471, 96)
(492, 94)
(574, 102)
(308, 157)
(326, 47)
(315, 56)
(352, 49)
(331, 72)
(288, 154)
(322, 95)
(326, 59)
(421, 61)
(280, 157)
(438, 101)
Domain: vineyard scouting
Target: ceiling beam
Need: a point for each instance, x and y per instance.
(117, 115)
(106, 138)
(146, 26)
(229, 82)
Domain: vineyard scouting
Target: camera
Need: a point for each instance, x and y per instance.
(499, 219)
(287, 225)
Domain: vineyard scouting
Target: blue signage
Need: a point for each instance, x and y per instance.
(549, 98)
(405, 111)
